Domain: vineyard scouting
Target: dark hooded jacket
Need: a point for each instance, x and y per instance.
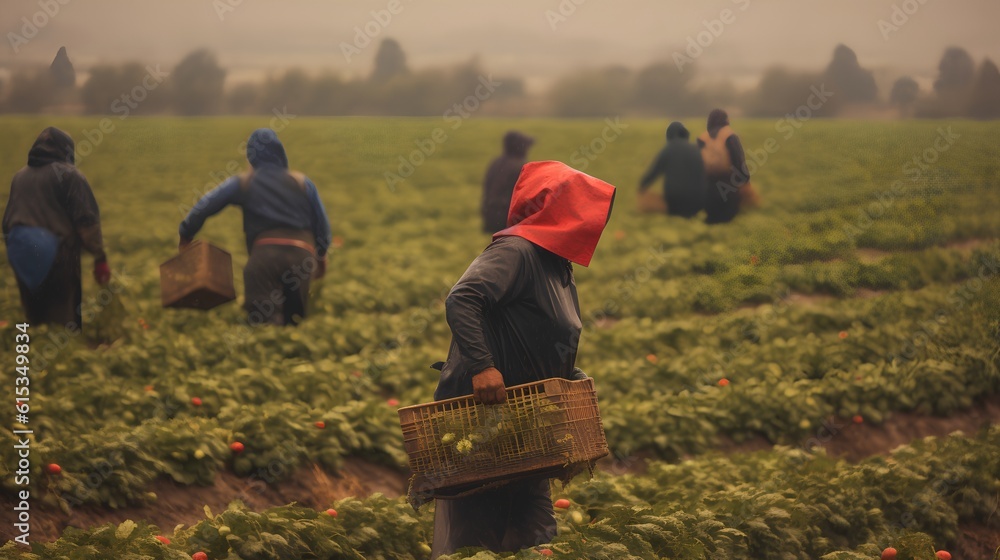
(683, 173)
(498, 185)
(51, 193)
(271, 196)
(516, 307)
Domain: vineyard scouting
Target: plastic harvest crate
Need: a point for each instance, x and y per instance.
(546, 429)
(200, 277)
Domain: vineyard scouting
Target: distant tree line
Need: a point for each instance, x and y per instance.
(197, 86)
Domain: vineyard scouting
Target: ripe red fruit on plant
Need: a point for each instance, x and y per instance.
(858, 419)
(148, 387)
(562, 503)
(162, 539)
(320, 425)
(196, 401)
(393, 402)
(545, 552)
(54, 468)
(199, 556)
(842, 335)
(889, 554)
(723, 382)
(651, 358)
(943, 555)
(237, 447)
(331, 512)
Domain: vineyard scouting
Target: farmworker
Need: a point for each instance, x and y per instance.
(287, 231)
(683, 173)
(515, 318)
(725, 169)
(51, 217)
(500, 179)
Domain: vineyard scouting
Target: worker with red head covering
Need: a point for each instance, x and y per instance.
(515, 318)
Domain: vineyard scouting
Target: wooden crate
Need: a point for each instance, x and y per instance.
(549, 429)
(200, 277)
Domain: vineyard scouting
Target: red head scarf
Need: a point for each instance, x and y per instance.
(559, 209)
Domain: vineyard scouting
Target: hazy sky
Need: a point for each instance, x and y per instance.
(514, 36)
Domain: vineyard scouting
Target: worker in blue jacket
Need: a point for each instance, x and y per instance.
(287, 231)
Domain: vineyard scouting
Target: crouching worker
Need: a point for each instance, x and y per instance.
(515, 318)
(51, 217)
(683, 173)
(287, 231)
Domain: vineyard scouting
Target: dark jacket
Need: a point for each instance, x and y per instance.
(498, 185)
(532, 325)
(271, 196)
(683, 173)
(51, 193)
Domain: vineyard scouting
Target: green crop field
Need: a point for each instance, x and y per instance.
(865, 290)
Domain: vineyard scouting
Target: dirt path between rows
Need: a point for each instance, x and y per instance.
(316, 488)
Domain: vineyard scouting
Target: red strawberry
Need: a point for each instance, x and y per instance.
(331, 512)
(562, 503)
(53, 468)
(723, 382)
(320, 424)
(889, 554)
(236, 447)
(842, 335)
(196, 401)
(162, 539)
(651, 358)
(858, 419)
(393, 402)
(199, 556)
(545, 552)
(943, 555)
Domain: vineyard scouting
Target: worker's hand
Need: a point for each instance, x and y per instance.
(184, 243)
(102, 272)
(488, 387)
(320, 268)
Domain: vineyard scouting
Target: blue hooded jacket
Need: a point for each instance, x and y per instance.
(271, 197)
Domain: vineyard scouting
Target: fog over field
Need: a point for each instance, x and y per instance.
(534, 39)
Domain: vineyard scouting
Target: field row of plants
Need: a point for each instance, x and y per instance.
(694, 333)
(782, 504)
(670, 388)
